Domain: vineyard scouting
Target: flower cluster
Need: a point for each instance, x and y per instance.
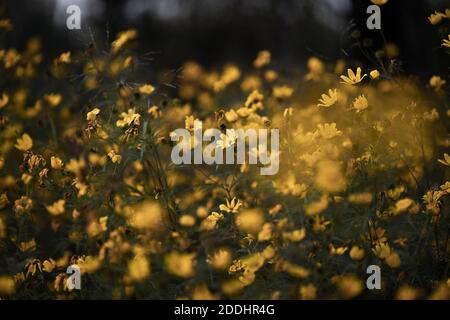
(86, 178)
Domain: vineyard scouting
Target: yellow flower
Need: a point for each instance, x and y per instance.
(92, 115)
(288, 112)
(49, 265)
(3, 200)
(210, 222)
(360, 103)
(4, 100)
(254, 100)
(23, 204)
(115, 158)
(7, 286)
(231, 116)
(446, 43)
(282, 92)
(328, 100)
(64, 57)
(146, 89)
(262, 59)
(316, 68)
(122, 38)
(432, 201)
(146, 216)
(328, 130)
(250, 221)
(437, 82)
(186, 220)
(393, 260)
(403, 205)
(6, 24)
(128, 118)
(374, 74)
(270, 75)
(296, 235)
(24, 143)
(53, 99)
(349, 286)
(155, 112)
(360, 198)
(27, 245)
(308, 292)
(406, 292)
(138, 268)
(243, 112)
(180, 264)
(436, 17)
(356, 253)
(353, 78)
(379, 2)
(317, 207)
(329, 177)
(56, 208)
(220, 259)
(446, 160)
(56, 163)
(228, 139)
(231, 206)
(339, 251)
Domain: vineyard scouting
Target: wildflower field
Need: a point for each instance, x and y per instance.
(86, 177)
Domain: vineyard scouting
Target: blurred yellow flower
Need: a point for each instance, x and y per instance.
(187, 220)
(374, 74)
(329, 177)
(328, 100)
(64, 57)
(53, 99)
(254, 100)
(231, 116)
(282, 92)
(437, 82)
(337, 251)
(49, 265)
(180, 264)
(360, 103)
(122, 38)
(262, 59)
(92, 115)
(7, 286)
(220, 259)
(328, 130)
(308, 292)
(379, 2)
(210, 222)
(56, 163)
(146, 89)
(56, 208)
(138, 268)
(250, 221)
(356, 253)
(115, 158)
(24, 143)
(445, 42)
(436, 17)
(349, 286)
(4, 100)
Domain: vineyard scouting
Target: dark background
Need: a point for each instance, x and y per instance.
(218, 31)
